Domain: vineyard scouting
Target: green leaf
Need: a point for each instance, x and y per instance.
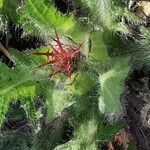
(107, 14)
(22, 92)
(51, 135)
(112, 87)
(82, 84)
(9, 9)
(107, 132)
(1, 3)
(98, 47)
(20, 138)
(18, 83)
(57, 100)
(40, 16)
(84, 137)
(14, 140)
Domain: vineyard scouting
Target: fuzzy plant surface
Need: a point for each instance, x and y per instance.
(66, 79)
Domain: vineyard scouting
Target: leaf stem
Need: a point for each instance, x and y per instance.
(6, 52)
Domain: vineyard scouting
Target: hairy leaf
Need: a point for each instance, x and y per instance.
(112, 87)
(82, 84)
(45, 17)
(18, 82)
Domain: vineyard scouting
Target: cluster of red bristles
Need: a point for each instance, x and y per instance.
(61, 56)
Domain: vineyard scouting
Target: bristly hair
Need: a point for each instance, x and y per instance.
(12, 37)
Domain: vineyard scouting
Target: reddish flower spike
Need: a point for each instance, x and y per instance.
(61, 56)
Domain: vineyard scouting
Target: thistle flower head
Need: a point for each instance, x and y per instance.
(61, 56)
